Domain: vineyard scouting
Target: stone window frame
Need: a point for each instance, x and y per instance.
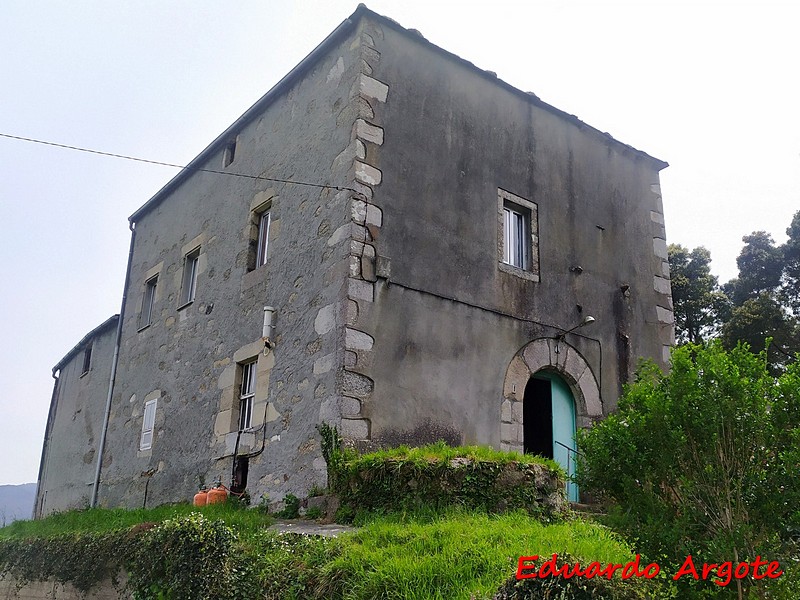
(530, 210)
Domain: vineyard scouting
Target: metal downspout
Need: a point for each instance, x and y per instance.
(112, 378)
(39, 498)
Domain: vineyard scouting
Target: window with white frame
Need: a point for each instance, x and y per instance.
(518, 239)
(263, 238)
(148, 424)
(148, 300)
(247, 391)
(189, 282)
(515, 237)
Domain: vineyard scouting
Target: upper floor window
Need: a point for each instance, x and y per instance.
(518, 236)
(515, 236)
(247, 391)
(87, 359)
(263, 238)
(189, 282)
(229, 155)
(148, 300)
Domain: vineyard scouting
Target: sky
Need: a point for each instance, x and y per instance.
(709, 86)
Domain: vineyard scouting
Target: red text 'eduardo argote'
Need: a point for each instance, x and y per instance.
(722, 572)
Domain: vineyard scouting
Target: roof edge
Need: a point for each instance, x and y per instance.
(304, 65)
(316, 54)
(107, 324)
(492, 76)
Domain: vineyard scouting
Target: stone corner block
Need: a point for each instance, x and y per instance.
(355, 429)
(369, 87)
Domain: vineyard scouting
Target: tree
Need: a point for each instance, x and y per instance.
(761, 319)
(791, 267)
(760, 266)
(696, 296)
(703, 461)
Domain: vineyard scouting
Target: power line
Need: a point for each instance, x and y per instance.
(182, 167)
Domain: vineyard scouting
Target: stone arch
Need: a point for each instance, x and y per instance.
(557, 356)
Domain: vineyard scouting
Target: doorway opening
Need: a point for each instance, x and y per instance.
(548, 421)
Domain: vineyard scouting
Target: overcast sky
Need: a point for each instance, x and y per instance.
(710, 87)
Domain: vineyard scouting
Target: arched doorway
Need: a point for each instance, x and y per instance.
(564, 395)
(548, 419)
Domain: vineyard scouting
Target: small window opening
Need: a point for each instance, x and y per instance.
(247, 392)
(263, 238)
(189, 283)
(516, 236)
(230, 153)
(147, 302)
(87, 360)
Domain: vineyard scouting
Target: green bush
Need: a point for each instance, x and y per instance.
(703, 461)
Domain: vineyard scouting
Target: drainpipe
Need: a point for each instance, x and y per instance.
(40, 493)
(112, 378)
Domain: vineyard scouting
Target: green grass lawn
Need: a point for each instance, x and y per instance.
(452, 555)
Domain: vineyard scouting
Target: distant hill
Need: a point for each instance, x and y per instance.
(16, 502)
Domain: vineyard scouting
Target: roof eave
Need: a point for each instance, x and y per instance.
(107, 324)
(286, 81)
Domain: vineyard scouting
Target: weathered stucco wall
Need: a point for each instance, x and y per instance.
(187, 358)
(74, 427)
(448, 319)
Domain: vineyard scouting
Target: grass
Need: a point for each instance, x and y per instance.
(101, 520)
(458, 555)
(441, 452)
(423, 555)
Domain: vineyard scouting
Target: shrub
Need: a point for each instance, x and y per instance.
(703, 460)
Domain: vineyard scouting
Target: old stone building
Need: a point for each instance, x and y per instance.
(392, 241)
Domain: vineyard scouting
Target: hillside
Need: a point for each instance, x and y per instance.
(16, 502)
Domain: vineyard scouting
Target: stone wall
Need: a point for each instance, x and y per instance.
(190, 357)
(50, 590)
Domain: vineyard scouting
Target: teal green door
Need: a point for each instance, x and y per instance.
(549, 424)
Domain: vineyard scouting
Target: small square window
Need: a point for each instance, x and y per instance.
(149, 298)
(247, 391)
(87, 360)
(517, 236)
(264, 220)
(229, 155)
(148, 425)
(189, 282)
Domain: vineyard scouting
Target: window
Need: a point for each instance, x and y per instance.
(229, 155)
(148, 425)
(515, 236)
(87, 360)
(189, 283)
(147, 302)
(263, 238)
(247, 391)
